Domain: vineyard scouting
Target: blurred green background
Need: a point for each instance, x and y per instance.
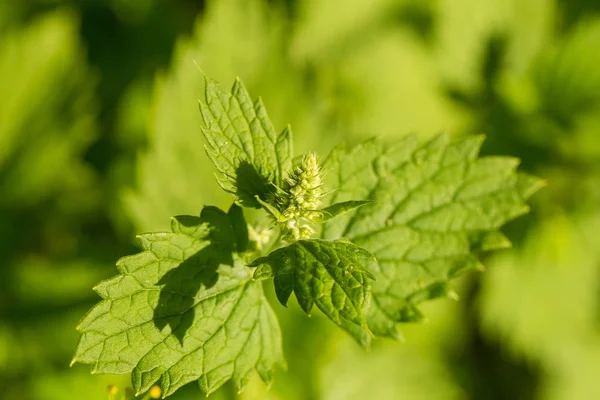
(100, 139)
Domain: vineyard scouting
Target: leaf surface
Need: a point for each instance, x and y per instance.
(436, 206)
(328, 274)
(184, 309)
(242, 143)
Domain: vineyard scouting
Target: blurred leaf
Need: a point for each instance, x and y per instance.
(466, 28)
(435, 208)
(388, 87)
(567, 74)
(174, 307)
(330, 275)
(326, 24)
(47, 113)
(555, 98)
(542, 302)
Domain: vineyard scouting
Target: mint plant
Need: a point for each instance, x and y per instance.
(365, 236)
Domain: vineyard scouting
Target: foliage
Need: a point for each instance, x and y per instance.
(30, 173)
(100, 137)
(187, 309)
(435, 208)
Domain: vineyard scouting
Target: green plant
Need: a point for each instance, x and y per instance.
(365, 237)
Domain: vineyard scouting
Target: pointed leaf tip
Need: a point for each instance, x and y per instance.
(308, 267)
(258, 158)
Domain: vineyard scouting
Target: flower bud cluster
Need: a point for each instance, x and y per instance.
(300, 198)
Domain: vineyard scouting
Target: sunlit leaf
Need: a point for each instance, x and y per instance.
(329, 274)
(184, 309)
(436, 206)
(249, 155)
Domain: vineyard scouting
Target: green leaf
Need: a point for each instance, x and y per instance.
(557, 261)
(436, 206)
(526, 27)
(328, 274)
(172, 173)
(339, 208)
(557, 73)
(242, 143)
(272, 210)
(184, 309)
(324, 27)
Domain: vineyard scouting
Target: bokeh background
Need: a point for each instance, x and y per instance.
(100, 139)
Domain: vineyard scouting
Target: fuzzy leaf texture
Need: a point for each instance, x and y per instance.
(241, 142)
(435, 207)
(184, 309)
(328, 274)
